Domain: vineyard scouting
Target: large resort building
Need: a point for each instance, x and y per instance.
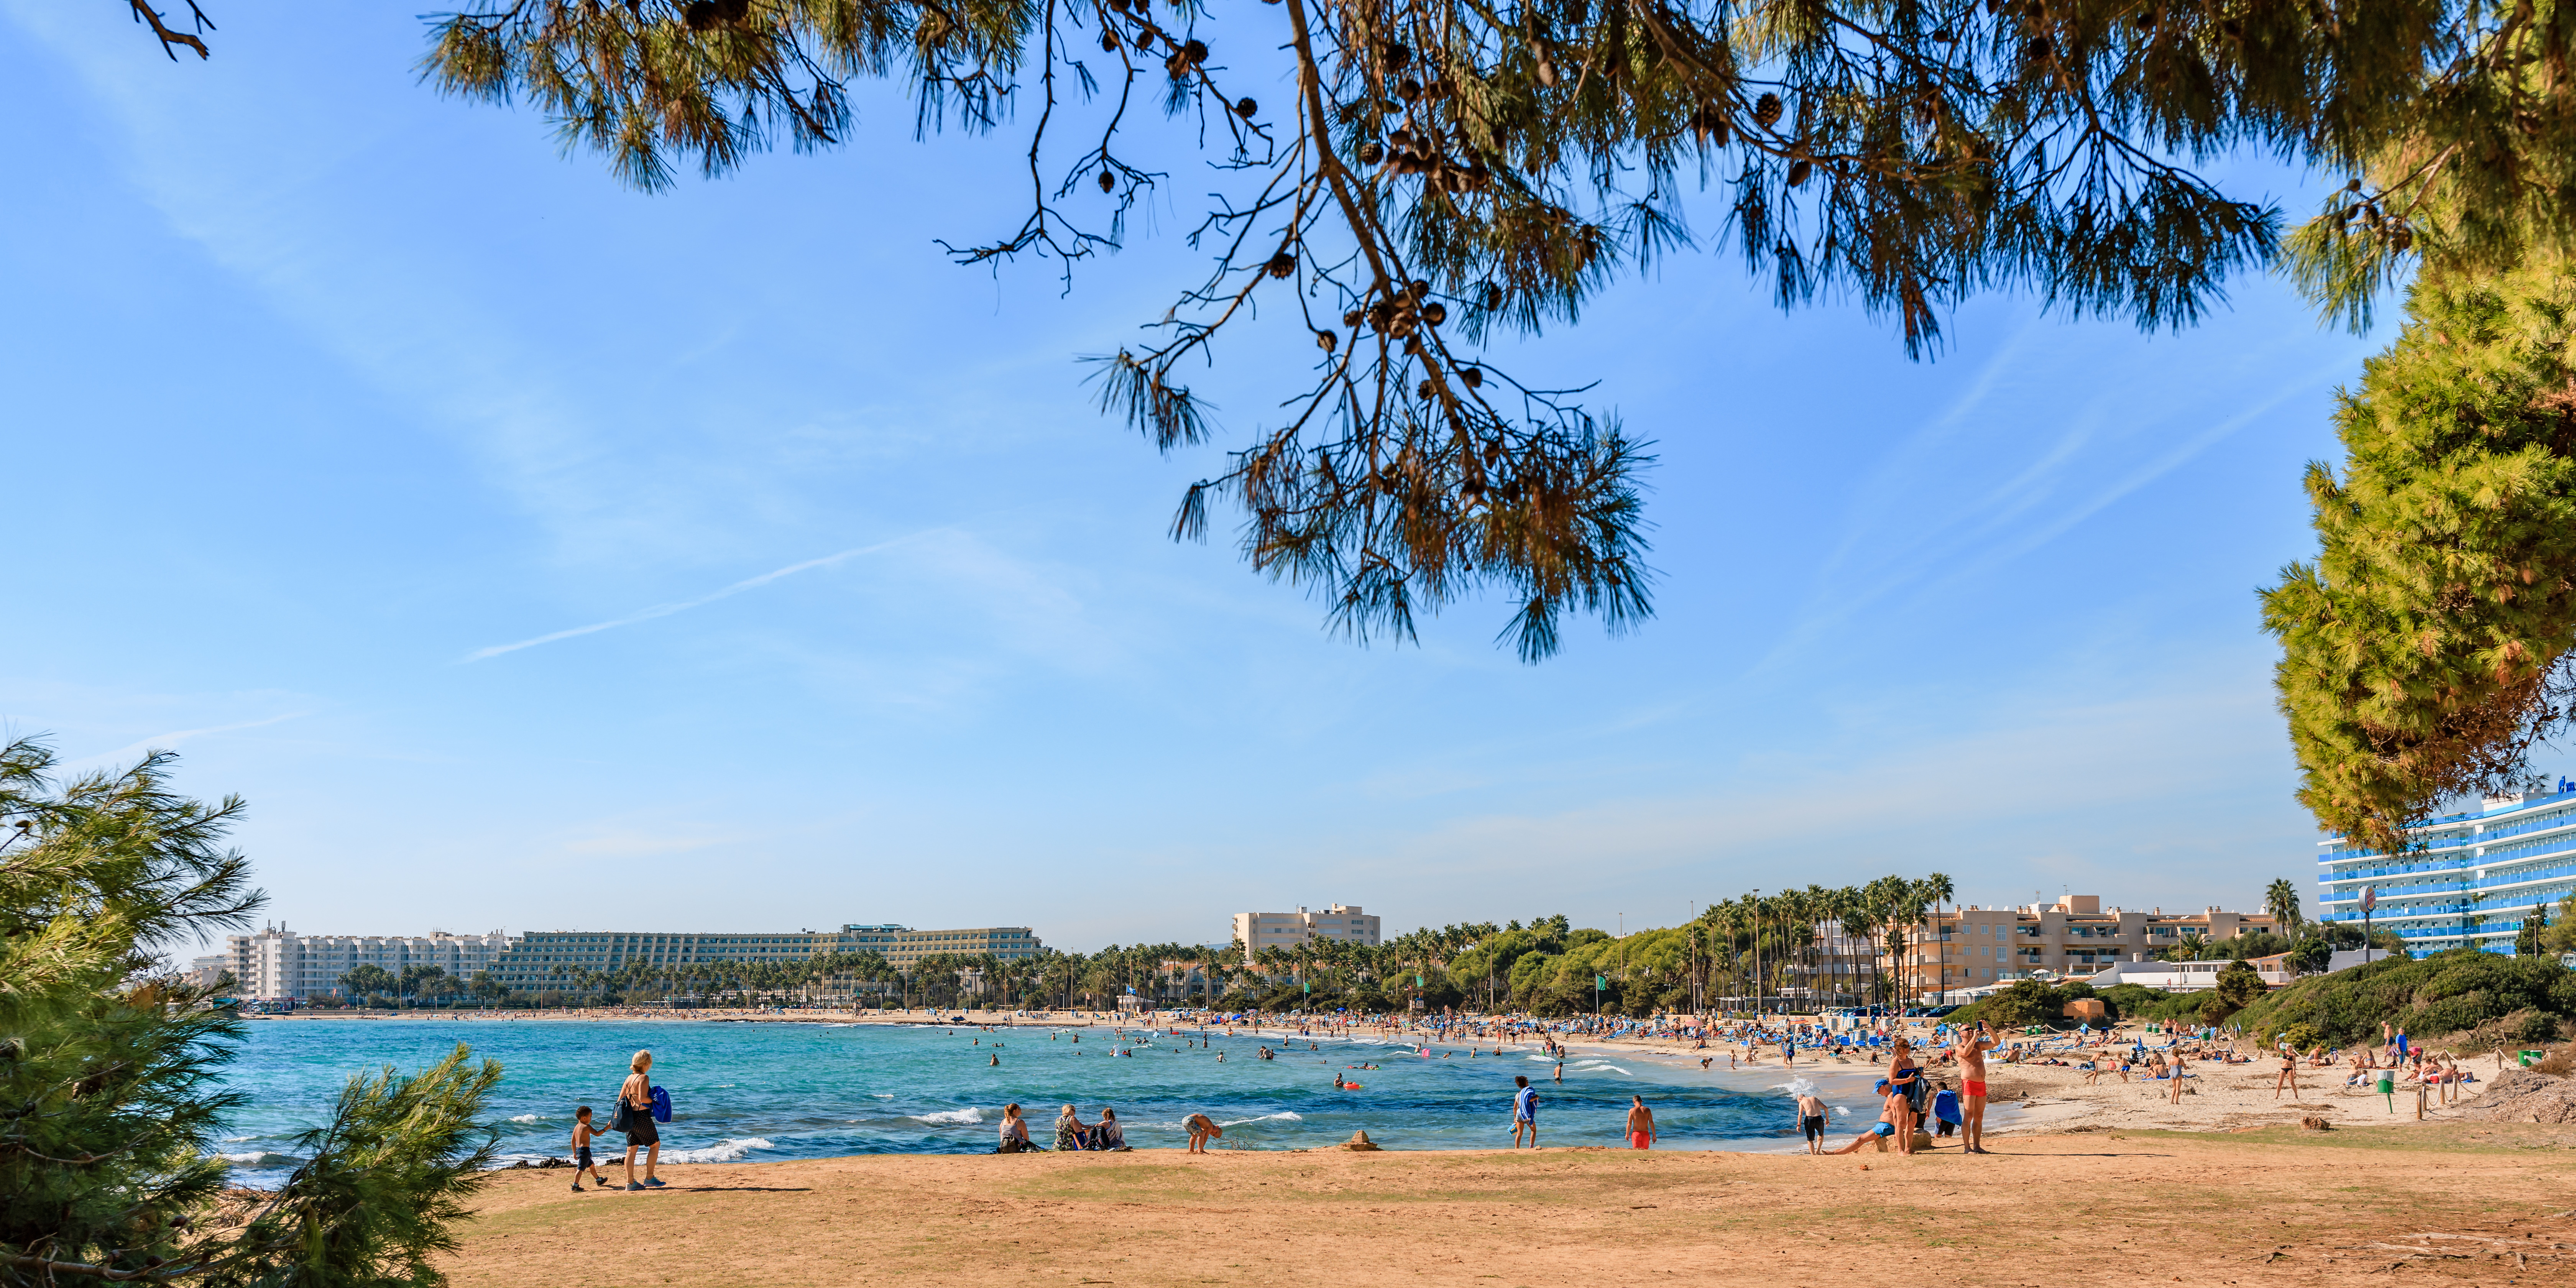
(2473, 880)
(1976, 947)
(1345, 922)
(276, 965)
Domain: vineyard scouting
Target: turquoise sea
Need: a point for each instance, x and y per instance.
(770, 1090)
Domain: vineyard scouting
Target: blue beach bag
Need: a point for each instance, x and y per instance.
(661, 1105)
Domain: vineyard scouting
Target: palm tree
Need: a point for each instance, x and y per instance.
(1938, 889)
(2281, 899)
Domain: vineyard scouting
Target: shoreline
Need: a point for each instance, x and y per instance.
(2027, 1099)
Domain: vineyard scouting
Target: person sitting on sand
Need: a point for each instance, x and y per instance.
(1109, 1135)
(1014, 1132)
(1070, 1130)
(1891, 1112)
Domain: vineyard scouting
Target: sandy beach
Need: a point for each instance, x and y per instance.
(2483, 1205)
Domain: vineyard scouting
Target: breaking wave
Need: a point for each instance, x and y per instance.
(724, 1151)
(1284, 1115)
(967, 1115)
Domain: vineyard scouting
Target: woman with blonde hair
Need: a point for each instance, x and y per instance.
(635, 1118)
(1905, 1079)
(1069, 1130)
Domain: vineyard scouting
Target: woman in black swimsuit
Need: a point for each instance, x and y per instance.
(1903, 1079)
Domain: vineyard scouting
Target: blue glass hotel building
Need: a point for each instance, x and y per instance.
(2475, 880)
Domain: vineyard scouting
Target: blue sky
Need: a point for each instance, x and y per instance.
(323, 392)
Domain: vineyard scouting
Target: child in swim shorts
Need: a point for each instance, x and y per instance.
(581, 1134)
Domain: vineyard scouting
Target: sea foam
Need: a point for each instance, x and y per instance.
(967, 1115)
(1284, 1115)
(723, 1151)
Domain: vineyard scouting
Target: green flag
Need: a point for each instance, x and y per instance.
(1417, 981)
(1600, 982)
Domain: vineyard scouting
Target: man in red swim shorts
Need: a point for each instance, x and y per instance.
(1641, 1123)
(1972, 1051)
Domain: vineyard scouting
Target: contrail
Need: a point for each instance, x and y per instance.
(165, 741)
(665, 610)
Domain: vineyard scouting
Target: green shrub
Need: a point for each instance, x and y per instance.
(2446, 993)
(2240, 984)
(2539, 1026)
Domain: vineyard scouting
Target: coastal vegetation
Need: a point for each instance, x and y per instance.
(1756, 945)
(2426, 648)
(2495, 997)
(109, 1067)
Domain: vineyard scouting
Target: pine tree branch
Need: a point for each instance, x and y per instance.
(143, 13)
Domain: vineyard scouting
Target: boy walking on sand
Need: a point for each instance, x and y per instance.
(581, 1162)
(1524, 1112)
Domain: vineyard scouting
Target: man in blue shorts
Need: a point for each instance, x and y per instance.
(1892, 1111)
(1524, 1113)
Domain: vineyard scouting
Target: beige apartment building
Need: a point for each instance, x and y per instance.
(1973, 946)
(1345, 922)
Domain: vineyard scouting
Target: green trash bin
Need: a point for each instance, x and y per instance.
(2388, 1088)
(2530, 1058)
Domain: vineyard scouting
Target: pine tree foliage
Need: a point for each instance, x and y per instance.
(2476, 174)
(2427, 646)
(1452, 170)
(108, 1067)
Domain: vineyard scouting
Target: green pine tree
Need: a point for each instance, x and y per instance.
(2422, 648)
(107, 1167)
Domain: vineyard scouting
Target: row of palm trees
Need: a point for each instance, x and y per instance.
(1759, 944)
(1762, 944)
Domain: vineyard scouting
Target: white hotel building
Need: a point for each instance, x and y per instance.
(277, 964)
(2473, 880)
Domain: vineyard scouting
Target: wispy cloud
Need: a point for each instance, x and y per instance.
(682, 606)
(172, 739)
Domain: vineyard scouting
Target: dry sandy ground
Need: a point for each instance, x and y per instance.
(2465, 1203)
